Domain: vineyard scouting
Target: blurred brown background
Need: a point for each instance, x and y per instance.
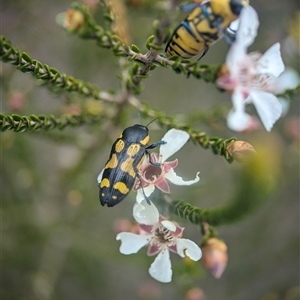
(59, 243)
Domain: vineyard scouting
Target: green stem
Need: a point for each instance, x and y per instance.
(254, 186)
(19, 123)
(214, 114)
(291, 93)
(107, 39)
(216, 144)
(104, 38)
(47, 74)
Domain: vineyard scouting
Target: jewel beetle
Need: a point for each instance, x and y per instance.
(121, 170)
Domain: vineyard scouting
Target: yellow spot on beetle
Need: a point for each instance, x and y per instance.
(114, 197)
(104, 183)
(145, 140)
(113, 162)
(121, 187)
(133, 149)
(126, 167)
(119, 146)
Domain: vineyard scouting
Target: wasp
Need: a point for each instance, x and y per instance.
(206, 24)
(119, 174)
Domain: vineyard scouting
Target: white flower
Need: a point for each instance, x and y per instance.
(247, 13)
(160, 235)
(254, 78)
(247, 26)
(156, 176)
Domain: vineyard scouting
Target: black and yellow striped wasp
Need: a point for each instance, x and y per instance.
(205, 25)
(119, 174)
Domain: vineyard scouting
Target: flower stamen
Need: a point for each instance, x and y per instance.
(163, 235)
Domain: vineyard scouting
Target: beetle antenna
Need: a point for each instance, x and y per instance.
(140, 118)
(151, 122)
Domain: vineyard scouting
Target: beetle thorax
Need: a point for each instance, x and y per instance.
(136, 134)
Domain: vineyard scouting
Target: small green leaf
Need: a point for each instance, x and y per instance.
(149, 41)
(142, 76)
(135, 48)
(140, 63)
(134, 69)
(155, 46)
(108, 18)
(155, 24)
(26, 57)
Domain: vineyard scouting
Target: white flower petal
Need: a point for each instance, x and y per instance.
(161, 269)
(177, 180)
(236, 53)
(289, 79)
(238, 120)
(169, 225)
(248, 26)
(148, 190)
(238, 100)
(233, 27)
(188, 248)
(271, 62)
(267, 106)
(99, 178)
(146, 214)
(174, 139)
(132, 243)
(285, 103)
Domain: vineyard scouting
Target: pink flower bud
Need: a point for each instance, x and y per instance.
(215, 257)
(195, 294)
(71, 20)
(240, 151)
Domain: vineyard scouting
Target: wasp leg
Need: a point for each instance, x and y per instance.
(190, 6)
(207, 15)
(204, 52)
(228, 37)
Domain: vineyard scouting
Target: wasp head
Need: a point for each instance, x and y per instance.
(236, 6)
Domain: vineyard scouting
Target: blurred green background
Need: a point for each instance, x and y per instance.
(58, 242)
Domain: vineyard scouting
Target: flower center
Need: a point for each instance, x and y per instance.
(245, 76)
(152, 173)
(162, 235)
(263, 82)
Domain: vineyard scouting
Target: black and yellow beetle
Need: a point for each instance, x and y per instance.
(120, 172)
(206, 24)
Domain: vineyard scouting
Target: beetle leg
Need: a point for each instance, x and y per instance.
(151, 147)
(146, 198)
(155, 164)
(156, 144)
